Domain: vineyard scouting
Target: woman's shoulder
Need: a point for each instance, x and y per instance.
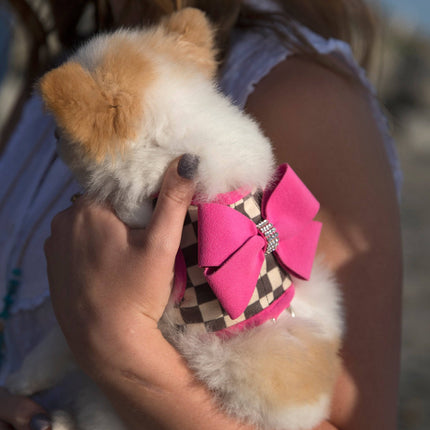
(324, 126)
(318, 91)
(320, 117)
(309, 98)
(261, 70)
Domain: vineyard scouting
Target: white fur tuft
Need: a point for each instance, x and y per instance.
(303, 417)
(320, 300)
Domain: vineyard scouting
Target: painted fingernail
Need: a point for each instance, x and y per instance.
(187, 166)
(40, 422)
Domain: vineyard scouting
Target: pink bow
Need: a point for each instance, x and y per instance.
(232, 248)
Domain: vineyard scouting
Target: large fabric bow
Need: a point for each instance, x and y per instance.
(232, 248)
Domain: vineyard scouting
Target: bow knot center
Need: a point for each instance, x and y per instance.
(270, 234)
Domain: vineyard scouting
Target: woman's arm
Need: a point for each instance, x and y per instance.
(116, 282)
(323, 126)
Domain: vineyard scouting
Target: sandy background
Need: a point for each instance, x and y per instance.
(405, 91)
(403, 82)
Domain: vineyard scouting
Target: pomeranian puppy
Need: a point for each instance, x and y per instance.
(262, 337)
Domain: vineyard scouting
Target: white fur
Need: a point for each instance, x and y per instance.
(185, 113)
(61, 420)
(302, 417)
(319, 300)
(94, 411)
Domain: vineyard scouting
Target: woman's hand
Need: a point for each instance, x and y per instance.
(110, 283)
(21, 413)
(109, 287)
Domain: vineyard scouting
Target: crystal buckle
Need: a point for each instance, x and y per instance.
(270, 234)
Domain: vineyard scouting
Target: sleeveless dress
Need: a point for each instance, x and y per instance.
(36, 185)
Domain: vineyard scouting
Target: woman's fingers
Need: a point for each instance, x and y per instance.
(177, 190)
(21, 413)
(111, 278)
(156, 246)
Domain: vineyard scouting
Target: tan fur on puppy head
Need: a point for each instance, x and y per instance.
(99, 109)
(196, 38)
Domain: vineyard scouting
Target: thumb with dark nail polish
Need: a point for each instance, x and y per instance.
(187, 166)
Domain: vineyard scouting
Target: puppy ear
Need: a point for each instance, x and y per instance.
(82, 109)
(99, 110)
(197, 37)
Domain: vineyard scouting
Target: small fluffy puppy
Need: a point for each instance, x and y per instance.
(262, 338)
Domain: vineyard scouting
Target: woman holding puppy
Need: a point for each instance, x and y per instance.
(312, 100)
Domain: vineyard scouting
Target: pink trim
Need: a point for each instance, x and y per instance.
(224, 199)
(271, 312)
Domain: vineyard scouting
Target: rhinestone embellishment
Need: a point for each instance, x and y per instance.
(271, 235)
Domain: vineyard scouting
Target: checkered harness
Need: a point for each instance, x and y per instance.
(199, 305)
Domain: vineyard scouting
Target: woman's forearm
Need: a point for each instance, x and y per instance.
(116, 297)
(165, 397)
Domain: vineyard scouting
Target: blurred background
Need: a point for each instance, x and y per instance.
(402, 79)
(403, 84)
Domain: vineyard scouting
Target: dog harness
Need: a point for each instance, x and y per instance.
(236, 259)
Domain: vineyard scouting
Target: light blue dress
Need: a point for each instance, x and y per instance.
(35, 185)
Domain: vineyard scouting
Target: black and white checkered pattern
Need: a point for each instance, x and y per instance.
(199, 305)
